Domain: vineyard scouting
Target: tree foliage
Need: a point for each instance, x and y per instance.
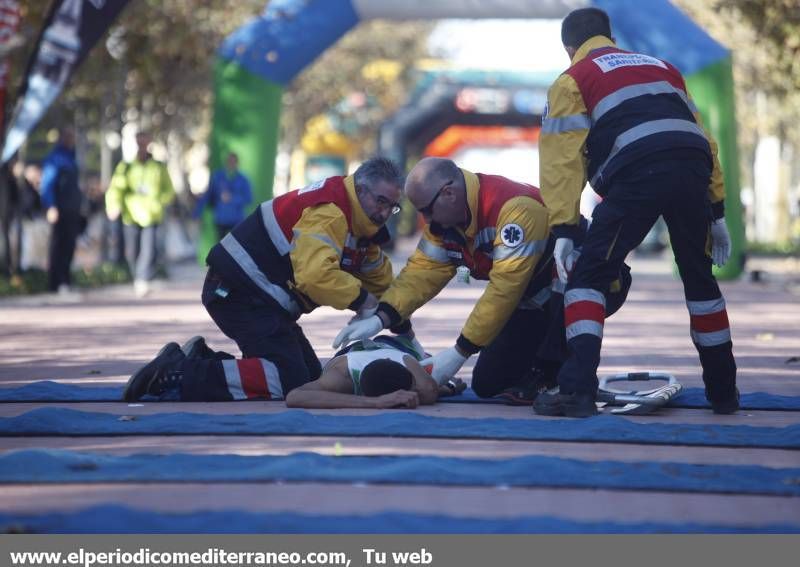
(154, 65)
(374, 62)
(764, 36)
(777, 26)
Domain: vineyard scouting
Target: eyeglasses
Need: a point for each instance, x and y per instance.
(427, 210)
(383, 202)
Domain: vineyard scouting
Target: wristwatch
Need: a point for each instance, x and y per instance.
(451, 385)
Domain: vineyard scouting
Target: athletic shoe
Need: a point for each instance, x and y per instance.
(554, 403)
(196, 347)
(726, 407)
(523, 394)
(166, 378)
(139, 384)
(141, 288)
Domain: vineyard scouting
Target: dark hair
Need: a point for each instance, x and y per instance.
(383, 377)
(580, 25)
(378, 169)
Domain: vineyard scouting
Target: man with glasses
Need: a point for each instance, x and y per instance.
(484, 226)
(320, 245)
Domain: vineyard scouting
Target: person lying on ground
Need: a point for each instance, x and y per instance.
(379, 373)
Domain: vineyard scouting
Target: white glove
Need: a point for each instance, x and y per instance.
(562, 254)
(445, 364)
(357, 330)
(572, 259)
(720, 242)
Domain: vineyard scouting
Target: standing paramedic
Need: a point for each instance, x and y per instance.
(625, 122)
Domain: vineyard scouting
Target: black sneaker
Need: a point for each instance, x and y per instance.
(196, 347)
(166, 378)
(524, 393)
(726, 407)
(554, 403)
(518, 395)
(138, 384)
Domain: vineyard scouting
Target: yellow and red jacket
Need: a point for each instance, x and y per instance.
(310, 247)
(506, 237)
(608, 110)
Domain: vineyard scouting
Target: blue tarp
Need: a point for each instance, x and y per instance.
(58, 466)
(112, 519)
(664, 31)
(689, 398)
(49, 391)
(56, 421)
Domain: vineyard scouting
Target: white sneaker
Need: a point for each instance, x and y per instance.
(66, 293)
(141, 288)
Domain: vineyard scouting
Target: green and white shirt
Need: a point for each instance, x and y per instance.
(365, 351)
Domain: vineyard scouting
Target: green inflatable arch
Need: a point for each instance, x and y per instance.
(257, 61)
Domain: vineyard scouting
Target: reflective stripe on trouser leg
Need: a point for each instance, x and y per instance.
(252, 378)
(709, 322)
(584, 312)
(711, 334)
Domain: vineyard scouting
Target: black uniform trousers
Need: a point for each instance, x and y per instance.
(262, 330)
(63, 239)
(532, 338)
(675, 186)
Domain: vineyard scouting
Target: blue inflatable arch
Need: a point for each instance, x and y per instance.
(257, 61)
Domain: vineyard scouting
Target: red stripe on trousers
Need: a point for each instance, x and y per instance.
(583, 310)
(710, 323)
(254, 381)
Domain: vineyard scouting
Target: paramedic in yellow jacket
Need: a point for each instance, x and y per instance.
(625, 122)
(140, 192)
(484, 226)
(319, 245)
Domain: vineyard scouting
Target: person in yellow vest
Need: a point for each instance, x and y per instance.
(319, 245)
(140, 192)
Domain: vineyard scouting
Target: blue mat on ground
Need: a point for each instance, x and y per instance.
(114, 519)
(59, 466)
(689, 398)
(49, 391)
(56, 421)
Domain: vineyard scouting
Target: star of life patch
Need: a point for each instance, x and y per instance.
(611, 61)
(512, 235)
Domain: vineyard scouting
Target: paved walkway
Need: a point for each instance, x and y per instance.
(103, 336)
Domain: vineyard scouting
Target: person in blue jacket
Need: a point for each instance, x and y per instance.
(228, 195)
(62, 199)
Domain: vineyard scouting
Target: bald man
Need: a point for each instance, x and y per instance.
(489, 228)
(481, 226)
